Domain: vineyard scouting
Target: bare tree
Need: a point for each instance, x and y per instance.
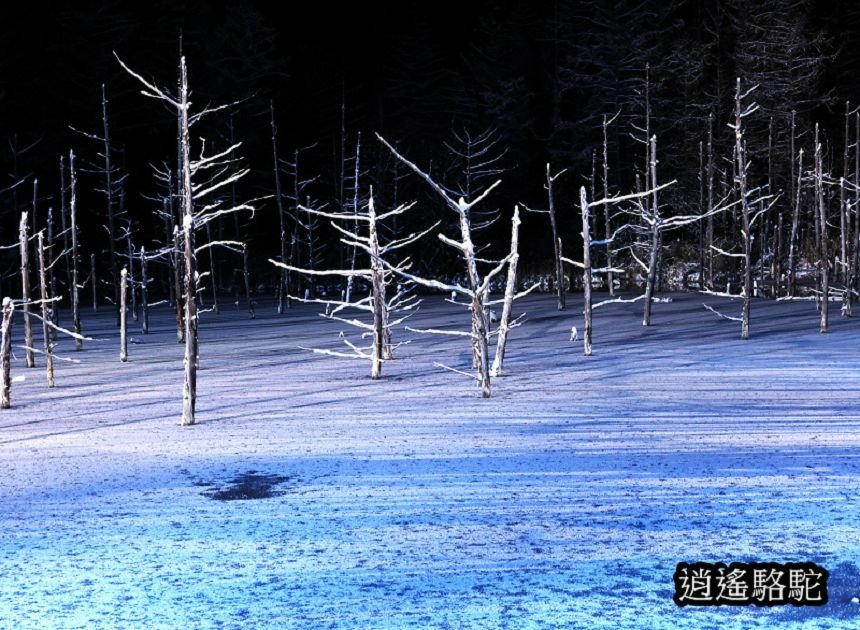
(76, 313)
(505, 323)
(824, 258)
(283, 286)
(46, 317)
(478, 285)
(144, 293)
(25, 290)
(123, 315)
(748, 202)
(556, 239)
(377, 303)
(5, 353)
(112, 183)
(212, 172)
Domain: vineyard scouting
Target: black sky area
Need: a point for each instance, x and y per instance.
(541, 74)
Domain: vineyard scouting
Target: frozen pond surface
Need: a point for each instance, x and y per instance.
(309, 496)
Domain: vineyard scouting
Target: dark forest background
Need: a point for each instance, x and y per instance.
(542, 75)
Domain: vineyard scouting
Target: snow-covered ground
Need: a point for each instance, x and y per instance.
(565, 501)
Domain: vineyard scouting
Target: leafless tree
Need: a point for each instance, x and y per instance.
(5, 353)
(199, 178)
(824, 257)
(46, 317)
(478, 284)
(560, 283)
(24, 241)
(123, 315)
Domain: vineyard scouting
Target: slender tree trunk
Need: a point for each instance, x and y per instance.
(710, 222)
(35, 229)
(378, 295)
(76, 313)
(177, 283)
(24, 242)
(510, 291)
(586, 270)
(109, 202)
(610, 276)
(247, 276)
(52, 278)
(795, 222)
(6, 353)
(46, 318)
(171, 257)
(654, 254)
(794, 197)
(212, 269)
(355, 203)
(189, 391)
(740, 156)
(123, 315)
(824, 260)
(556, 242)
(144, 297)
(131, 289)
(94, 282)
(283, 287)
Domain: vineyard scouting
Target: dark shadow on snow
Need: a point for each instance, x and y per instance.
(248, 486)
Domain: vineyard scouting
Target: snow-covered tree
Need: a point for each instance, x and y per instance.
(200, 178)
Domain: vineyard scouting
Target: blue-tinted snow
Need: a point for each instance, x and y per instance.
(564, 501)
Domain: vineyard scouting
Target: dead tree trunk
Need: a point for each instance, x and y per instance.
(144, 297)
(510, 290)
(377, 282)
(283, 287)
(355, 206)
(109, 202)
(586, 270)
(189, 391)
(46, 317)
(6, 352)
(556, 241)
(742, 168)
(52, 278)
(795, 223)
(709, 229)
(177, 285)
(76, 313)
(94, 282)
(654, 221)
(247, 276)
(824, 260)
(610, 276)
(130, 272)
(123, 315)
(24, 242)
(212, 269)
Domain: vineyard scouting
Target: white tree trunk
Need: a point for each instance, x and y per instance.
(6, 353)
(123, 315)
(144, 296)
(73, 213)
(586, 270)
(654, 253)
(510, 291)
(824, 261)
(25, 290)
(189, 390)
(46, 316)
